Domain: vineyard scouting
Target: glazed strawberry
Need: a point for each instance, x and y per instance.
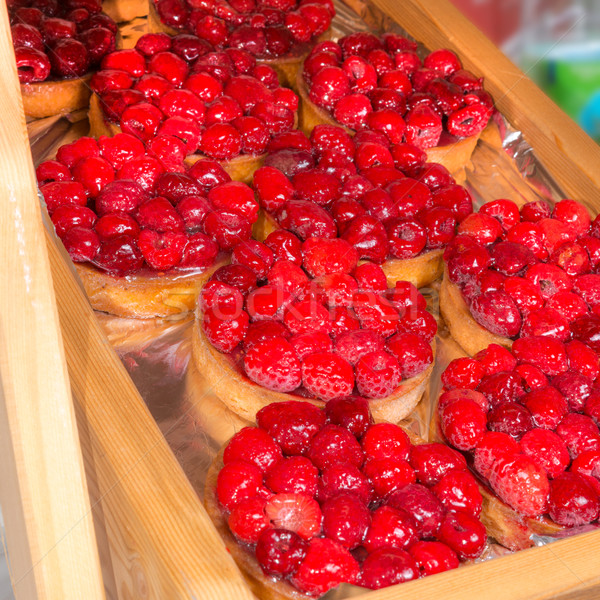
(458, 491)
(579, 432)
(388, 566)
(547, 449)
(521, 483)
(573, 501)
(432, 461)
(254, 446)
(327, 375)
(385, 440)
(345, 519)
(325, 565)
(433, 557)
(279, 551)
(422, 505)
(295, 512)
(390, 527)
(247, 520)
(352, 413)
(260, 360)
(463, 423)
(292, 424)
(464, 534)
(493, 446)
(238, 481)
(333, 444)
(412, 352)
(386, 475)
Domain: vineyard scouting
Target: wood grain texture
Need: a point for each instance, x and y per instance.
(43, 490)
(161, 542)
(566, 150)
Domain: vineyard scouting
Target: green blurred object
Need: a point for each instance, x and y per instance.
(570, 75)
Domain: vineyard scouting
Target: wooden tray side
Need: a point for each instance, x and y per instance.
(43, 490)
(568, 153)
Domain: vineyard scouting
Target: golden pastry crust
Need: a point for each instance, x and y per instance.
(455, 157)
(246, 398)
(48, 98)
(421, 270)
(241, 168)
(143, 296)
(471, 336)
(121, 11)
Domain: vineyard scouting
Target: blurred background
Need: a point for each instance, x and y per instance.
(556, 42)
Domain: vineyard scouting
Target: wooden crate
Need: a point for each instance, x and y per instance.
(95, 504)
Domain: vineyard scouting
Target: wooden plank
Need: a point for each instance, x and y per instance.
(570, 155)
(553, 571)
(43, 491)
(162, 543)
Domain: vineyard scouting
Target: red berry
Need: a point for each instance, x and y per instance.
(388, 566)
(273, 364)
(255, 446)
(327, 375)
(521, 483)
(346, 519)
(325, 565)
(573, 502)
(292, 424)
(464, 534)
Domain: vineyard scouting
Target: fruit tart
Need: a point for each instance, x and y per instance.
(381, 83)
(313, 497)
(218, 105)
(279, 33)
(289, 319)
(144, 236)
(57, 46)
(383, 198)
(527, 420)
(527, 272)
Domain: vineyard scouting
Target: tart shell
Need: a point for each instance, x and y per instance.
(141, 296)
(121, 11)
(471, 336)
(48, 98)
(246, 398)
(455, 157)
(421, 270)
(241, 168)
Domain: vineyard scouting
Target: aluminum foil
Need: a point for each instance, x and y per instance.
(157, 352)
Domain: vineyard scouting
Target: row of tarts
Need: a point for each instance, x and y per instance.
(296, 192)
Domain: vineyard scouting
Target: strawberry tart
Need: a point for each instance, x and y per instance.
(143, 238)
(383, 198)
(218, 105)
(381, 83)
(527, 272)
(312, 498)
(290, 319)
(57, 46)
(278, 33)
(527, 420)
